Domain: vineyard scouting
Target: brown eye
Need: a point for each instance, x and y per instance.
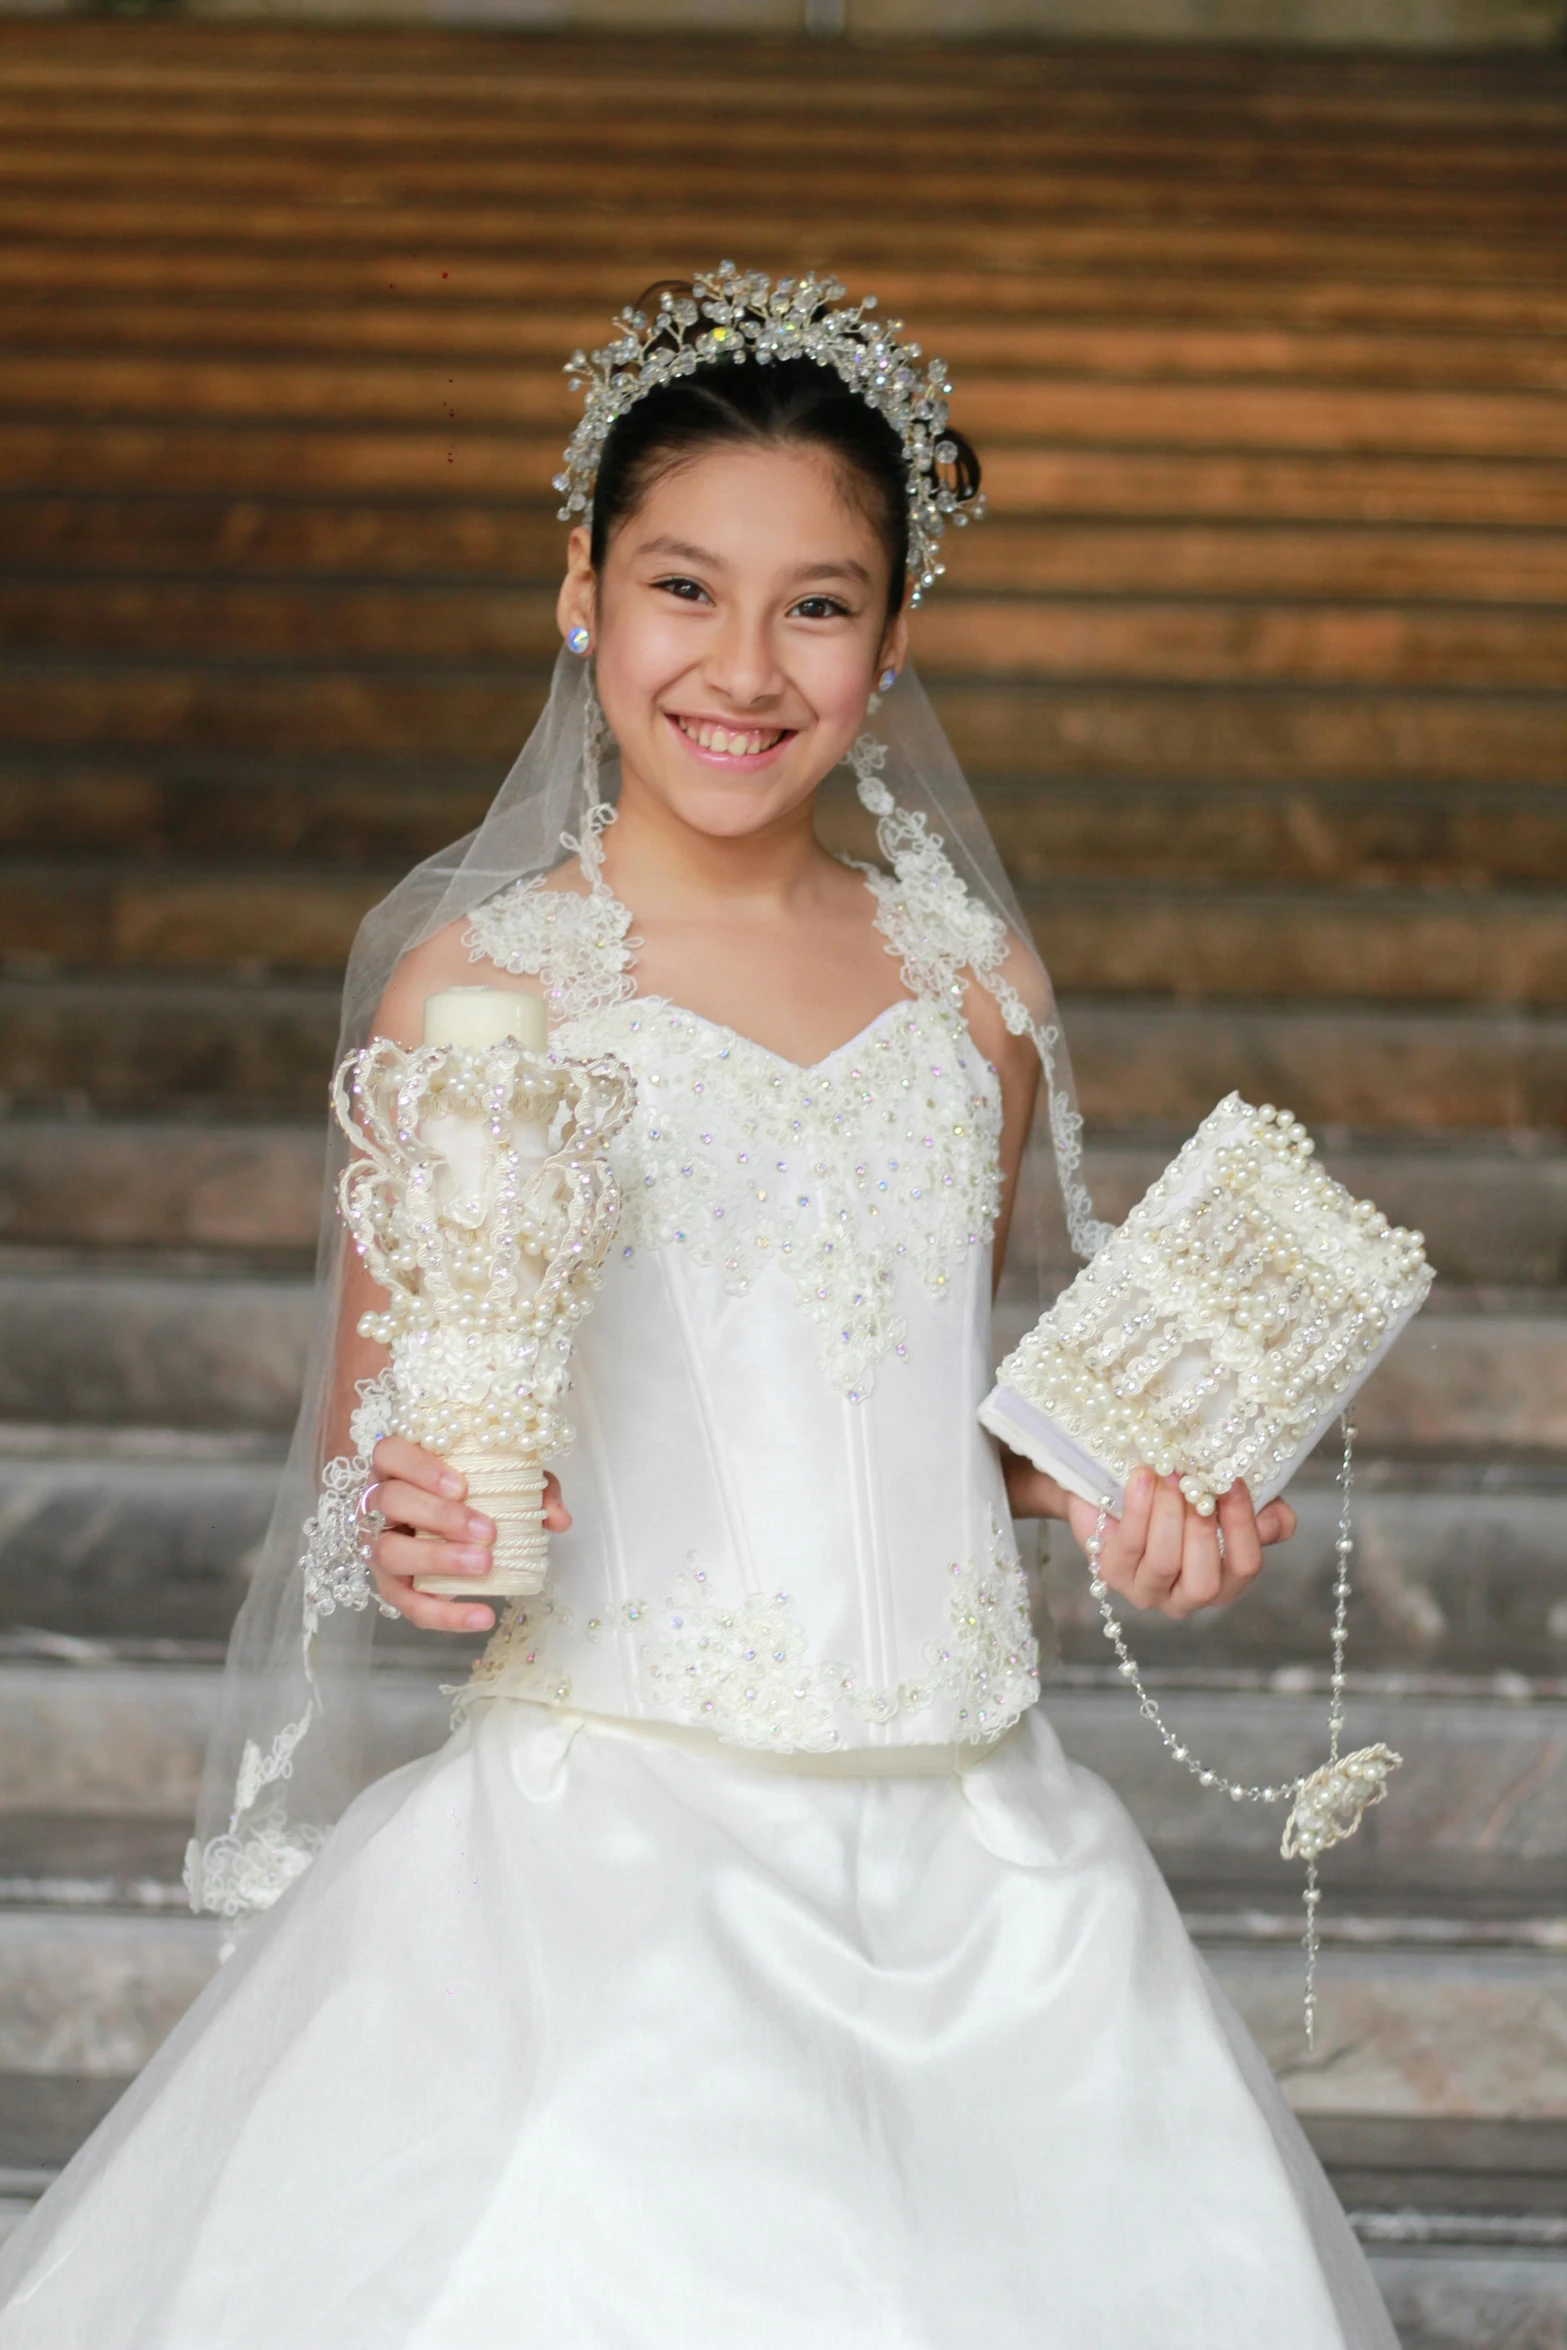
(820, 608)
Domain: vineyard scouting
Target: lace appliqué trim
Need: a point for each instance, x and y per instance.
(334, 1561)
(884, 1154)
(939, 930)
(248, 1867)
(746, 1671)
(576, 946)
(247, 1870)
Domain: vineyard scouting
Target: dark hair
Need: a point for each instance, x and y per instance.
(729, 403)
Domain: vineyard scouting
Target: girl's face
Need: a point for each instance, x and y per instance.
(738, 625)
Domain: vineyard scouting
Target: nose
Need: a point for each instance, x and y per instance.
(742, 661)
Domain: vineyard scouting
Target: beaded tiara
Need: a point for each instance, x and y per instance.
(739, 314)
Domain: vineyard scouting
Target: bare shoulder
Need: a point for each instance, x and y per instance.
(442, 960)
(567, 878)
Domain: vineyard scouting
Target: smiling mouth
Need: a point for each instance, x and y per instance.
(731, 742)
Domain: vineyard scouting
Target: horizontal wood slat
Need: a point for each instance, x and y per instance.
(491, 335)
(802, 231)
(337, 811)
(256, 537)
(1366, 94)
(920, 177)
(1305, 418)
(1120, 937)
(253, 140)
(135, 1044)
(95, 266)
(1152, 641)
(1182, 734)
(1260, 665)
(465, 464)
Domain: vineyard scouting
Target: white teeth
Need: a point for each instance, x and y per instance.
(727, 741)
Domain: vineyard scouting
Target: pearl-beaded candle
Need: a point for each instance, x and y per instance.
(481, 1199)
(1221, 1330)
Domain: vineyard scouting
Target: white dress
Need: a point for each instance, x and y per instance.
(750, 1968)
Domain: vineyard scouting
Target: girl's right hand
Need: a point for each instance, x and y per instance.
(431, 1531)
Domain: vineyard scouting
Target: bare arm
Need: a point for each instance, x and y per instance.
(429, 1528)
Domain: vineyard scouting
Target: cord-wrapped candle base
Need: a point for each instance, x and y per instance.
(509, 1489)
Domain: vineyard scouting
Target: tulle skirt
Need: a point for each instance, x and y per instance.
(577, 2036)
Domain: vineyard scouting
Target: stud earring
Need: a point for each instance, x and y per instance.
(578, 641)
(887, 680)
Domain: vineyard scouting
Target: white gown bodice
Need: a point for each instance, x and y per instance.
(788, 1527)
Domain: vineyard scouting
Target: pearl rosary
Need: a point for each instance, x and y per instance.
(1328, 1804)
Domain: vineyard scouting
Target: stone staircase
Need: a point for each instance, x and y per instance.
(1260, 666)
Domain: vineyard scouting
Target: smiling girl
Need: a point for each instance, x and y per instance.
(750, 1967)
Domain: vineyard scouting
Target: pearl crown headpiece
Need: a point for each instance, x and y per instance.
(734, 314)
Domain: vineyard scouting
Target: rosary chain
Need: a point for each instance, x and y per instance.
(1127, 1666)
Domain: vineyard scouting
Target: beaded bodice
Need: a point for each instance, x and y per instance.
(882, 1155)
(788, 1527)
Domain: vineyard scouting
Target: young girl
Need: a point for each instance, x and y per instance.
(750, 1967)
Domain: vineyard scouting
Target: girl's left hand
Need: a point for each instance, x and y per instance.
(1162, 1553)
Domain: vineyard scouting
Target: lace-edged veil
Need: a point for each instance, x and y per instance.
(320, 1695)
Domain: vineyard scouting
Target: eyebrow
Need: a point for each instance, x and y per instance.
(683, 551)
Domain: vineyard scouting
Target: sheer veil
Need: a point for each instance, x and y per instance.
(320, 1695)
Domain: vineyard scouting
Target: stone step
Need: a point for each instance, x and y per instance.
(245, 1049)
(1412, 2035)
(1404, 2034)
(248, 1048)
(258, 1188)
(173, 1344)
(1471, 1839)
(156, 1346)
(1123, 937)
(1492, 1210)
(84, 1862)
(1195, 641)
(1460, 1570)
(1460, 2274)
(98, 1864)
(142, 1539)
(163, 807)
(1471, 2299)
(84, 1732)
